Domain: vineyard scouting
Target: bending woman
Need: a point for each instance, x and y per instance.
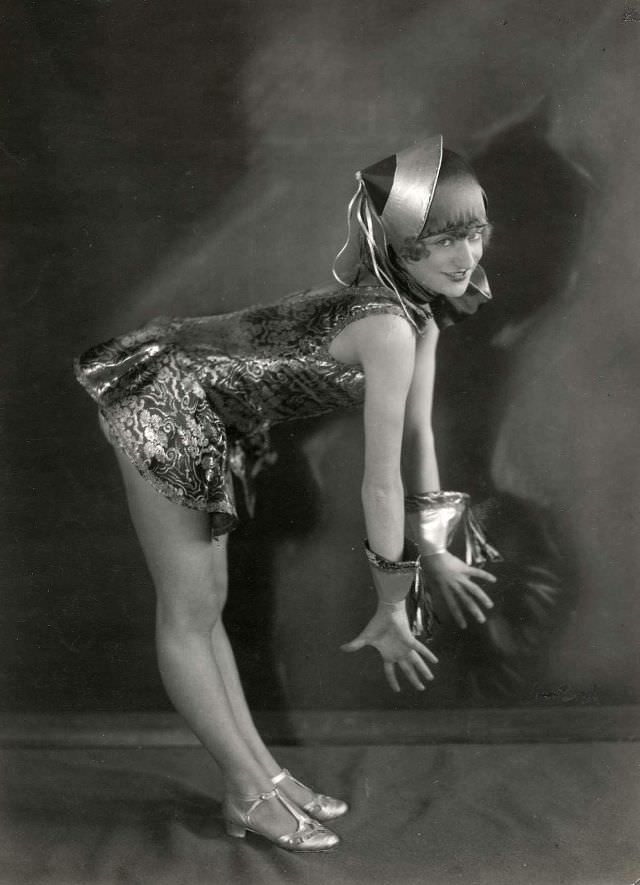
(187, 403)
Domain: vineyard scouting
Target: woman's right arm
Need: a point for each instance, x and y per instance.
(385, 347)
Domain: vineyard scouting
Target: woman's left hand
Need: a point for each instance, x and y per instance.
(456, 582)
(389, 632)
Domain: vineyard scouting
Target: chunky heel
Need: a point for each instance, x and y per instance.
(236, 830)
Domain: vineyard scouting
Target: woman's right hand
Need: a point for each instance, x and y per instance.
(389, 632)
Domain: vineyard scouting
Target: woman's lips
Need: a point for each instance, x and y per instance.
(458, 276)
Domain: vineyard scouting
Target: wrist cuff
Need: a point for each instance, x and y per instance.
(393, 580)
(399, 584)
(409, 562)
(432, 518)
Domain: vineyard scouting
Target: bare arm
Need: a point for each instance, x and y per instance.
(419, 461)
(385, 347)
(453, 579)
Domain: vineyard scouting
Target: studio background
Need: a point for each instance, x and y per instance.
(194, 159)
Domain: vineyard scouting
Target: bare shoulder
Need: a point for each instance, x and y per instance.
(383, 339)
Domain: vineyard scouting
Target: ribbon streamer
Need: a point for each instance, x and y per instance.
(360, 209)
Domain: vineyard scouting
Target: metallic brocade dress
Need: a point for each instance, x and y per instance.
(190, 400)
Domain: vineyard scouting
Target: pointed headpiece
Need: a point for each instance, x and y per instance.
(401, 188)
(390, 205)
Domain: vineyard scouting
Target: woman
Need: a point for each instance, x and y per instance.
(187, 402)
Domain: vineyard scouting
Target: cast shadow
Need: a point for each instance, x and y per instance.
(81, 820)
(537, 203)
(287, 508)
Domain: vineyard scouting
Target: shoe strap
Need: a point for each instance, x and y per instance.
(306, 825)
(263, 797)
(283, 775)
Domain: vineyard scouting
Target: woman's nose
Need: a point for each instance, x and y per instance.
(463, 256)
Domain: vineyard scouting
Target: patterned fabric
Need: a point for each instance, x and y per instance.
(190, 400)
(409, 563)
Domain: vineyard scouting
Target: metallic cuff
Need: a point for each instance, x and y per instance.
(411, 558)
(432, 518)
(393, 580)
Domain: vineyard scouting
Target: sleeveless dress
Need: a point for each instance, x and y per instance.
(191, 400)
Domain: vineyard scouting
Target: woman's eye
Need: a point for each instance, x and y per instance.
(474, 235)
(446, 242)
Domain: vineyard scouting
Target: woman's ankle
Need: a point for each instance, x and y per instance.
(243, 786)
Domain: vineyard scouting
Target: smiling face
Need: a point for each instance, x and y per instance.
(450, 247)
(443, 263)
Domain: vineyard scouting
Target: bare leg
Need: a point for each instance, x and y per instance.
(189, 573)
(225, 659)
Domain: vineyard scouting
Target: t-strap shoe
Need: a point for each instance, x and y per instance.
(320, 807)
(309, 835)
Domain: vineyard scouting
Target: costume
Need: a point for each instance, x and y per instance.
(191, 400)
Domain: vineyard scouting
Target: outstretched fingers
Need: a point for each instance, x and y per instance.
(452, 603)
(480, 573)
(409, 671)
(355, 644)
(426, 653)
(414, 668)
(477, 592)
(390, 673)
(474, 610)
(467, 598)
(420, 666)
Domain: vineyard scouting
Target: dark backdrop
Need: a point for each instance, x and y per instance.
(194, 158)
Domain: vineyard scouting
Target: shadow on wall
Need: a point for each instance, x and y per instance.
(287, 509)
(537, 204)
(198, 144)
(568, 438)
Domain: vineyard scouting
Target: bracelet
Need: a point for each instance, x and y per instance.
(399, 587)
(393, 580)
(432, 518)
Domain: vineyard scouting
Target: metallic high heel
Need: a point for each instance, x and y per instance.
(320, 807)
(309, 835)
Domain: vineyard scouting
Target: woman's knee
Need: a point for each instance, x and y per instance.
(193, 603)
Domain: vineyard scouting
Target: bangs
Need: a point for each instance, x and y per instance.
(458, 202)
(456, 206)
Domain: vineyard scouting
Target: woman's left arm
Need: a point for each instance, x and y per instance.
(419, 460)
(445, 573)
